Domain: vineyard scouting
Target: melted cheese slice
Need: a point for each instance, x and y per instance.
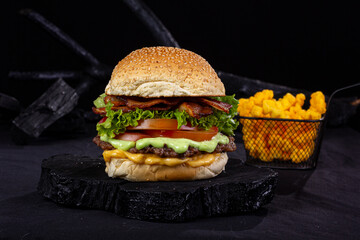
(151, 159)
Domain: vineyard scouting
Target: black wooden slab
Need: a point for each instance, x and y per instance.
(80, 181)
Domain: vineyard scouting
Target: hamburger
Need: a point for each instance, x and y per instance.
(165, 117)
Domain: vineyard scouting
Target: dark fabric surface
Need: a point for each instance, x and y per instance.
(308, 204)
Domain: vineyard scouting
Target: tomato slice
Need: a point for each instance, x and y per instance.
(160, 124)
(193, 135)
(131, 136)
(103, 120)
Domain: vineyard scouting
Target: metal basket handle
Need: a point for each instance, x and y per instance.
(332, 95)
(341, 89)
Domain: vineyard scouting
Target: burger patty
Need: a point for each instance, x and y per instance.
(168, 152)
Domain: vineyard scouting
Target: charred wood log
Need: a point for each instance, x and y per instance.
(58, 34)
(60, 98)
(9, 107)
(57, 101)
(79, 181)
(44, 75)
(96, 69)
(9, 103)
(152, 22)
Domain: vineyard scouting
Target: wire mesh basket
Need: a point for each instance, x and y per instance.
(283, 143)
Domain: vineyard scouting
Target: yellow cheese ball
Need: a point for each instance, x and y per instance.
(283, 140)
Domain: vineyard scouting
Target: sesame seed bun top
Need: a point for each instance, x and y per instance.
(164, 72)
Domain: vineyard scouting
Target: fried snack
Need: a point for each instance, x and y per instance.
(271, 139)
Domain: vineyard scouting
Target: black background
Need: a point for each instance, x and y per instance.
(312, 45)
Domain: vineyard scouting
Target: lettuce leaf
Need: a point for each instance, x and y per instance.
(231, 100)
(225, 122)
(117, 121)
(99, 102)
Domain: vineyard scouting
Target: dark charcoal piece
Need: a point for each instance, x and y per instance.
(81, 181)
(56, 102)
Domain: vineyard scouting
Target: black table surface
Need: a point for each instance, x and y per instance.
(308, 204)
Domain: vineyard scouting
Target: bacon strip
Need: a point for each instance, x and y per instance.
(115, 100)
(195, 110)
(102, 111)
(222, 106)
(163, 108)
(126, 109)
(135, 102)
(192, 105)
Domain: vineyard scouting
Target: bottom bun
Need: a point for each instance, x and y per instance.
(131, 171)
